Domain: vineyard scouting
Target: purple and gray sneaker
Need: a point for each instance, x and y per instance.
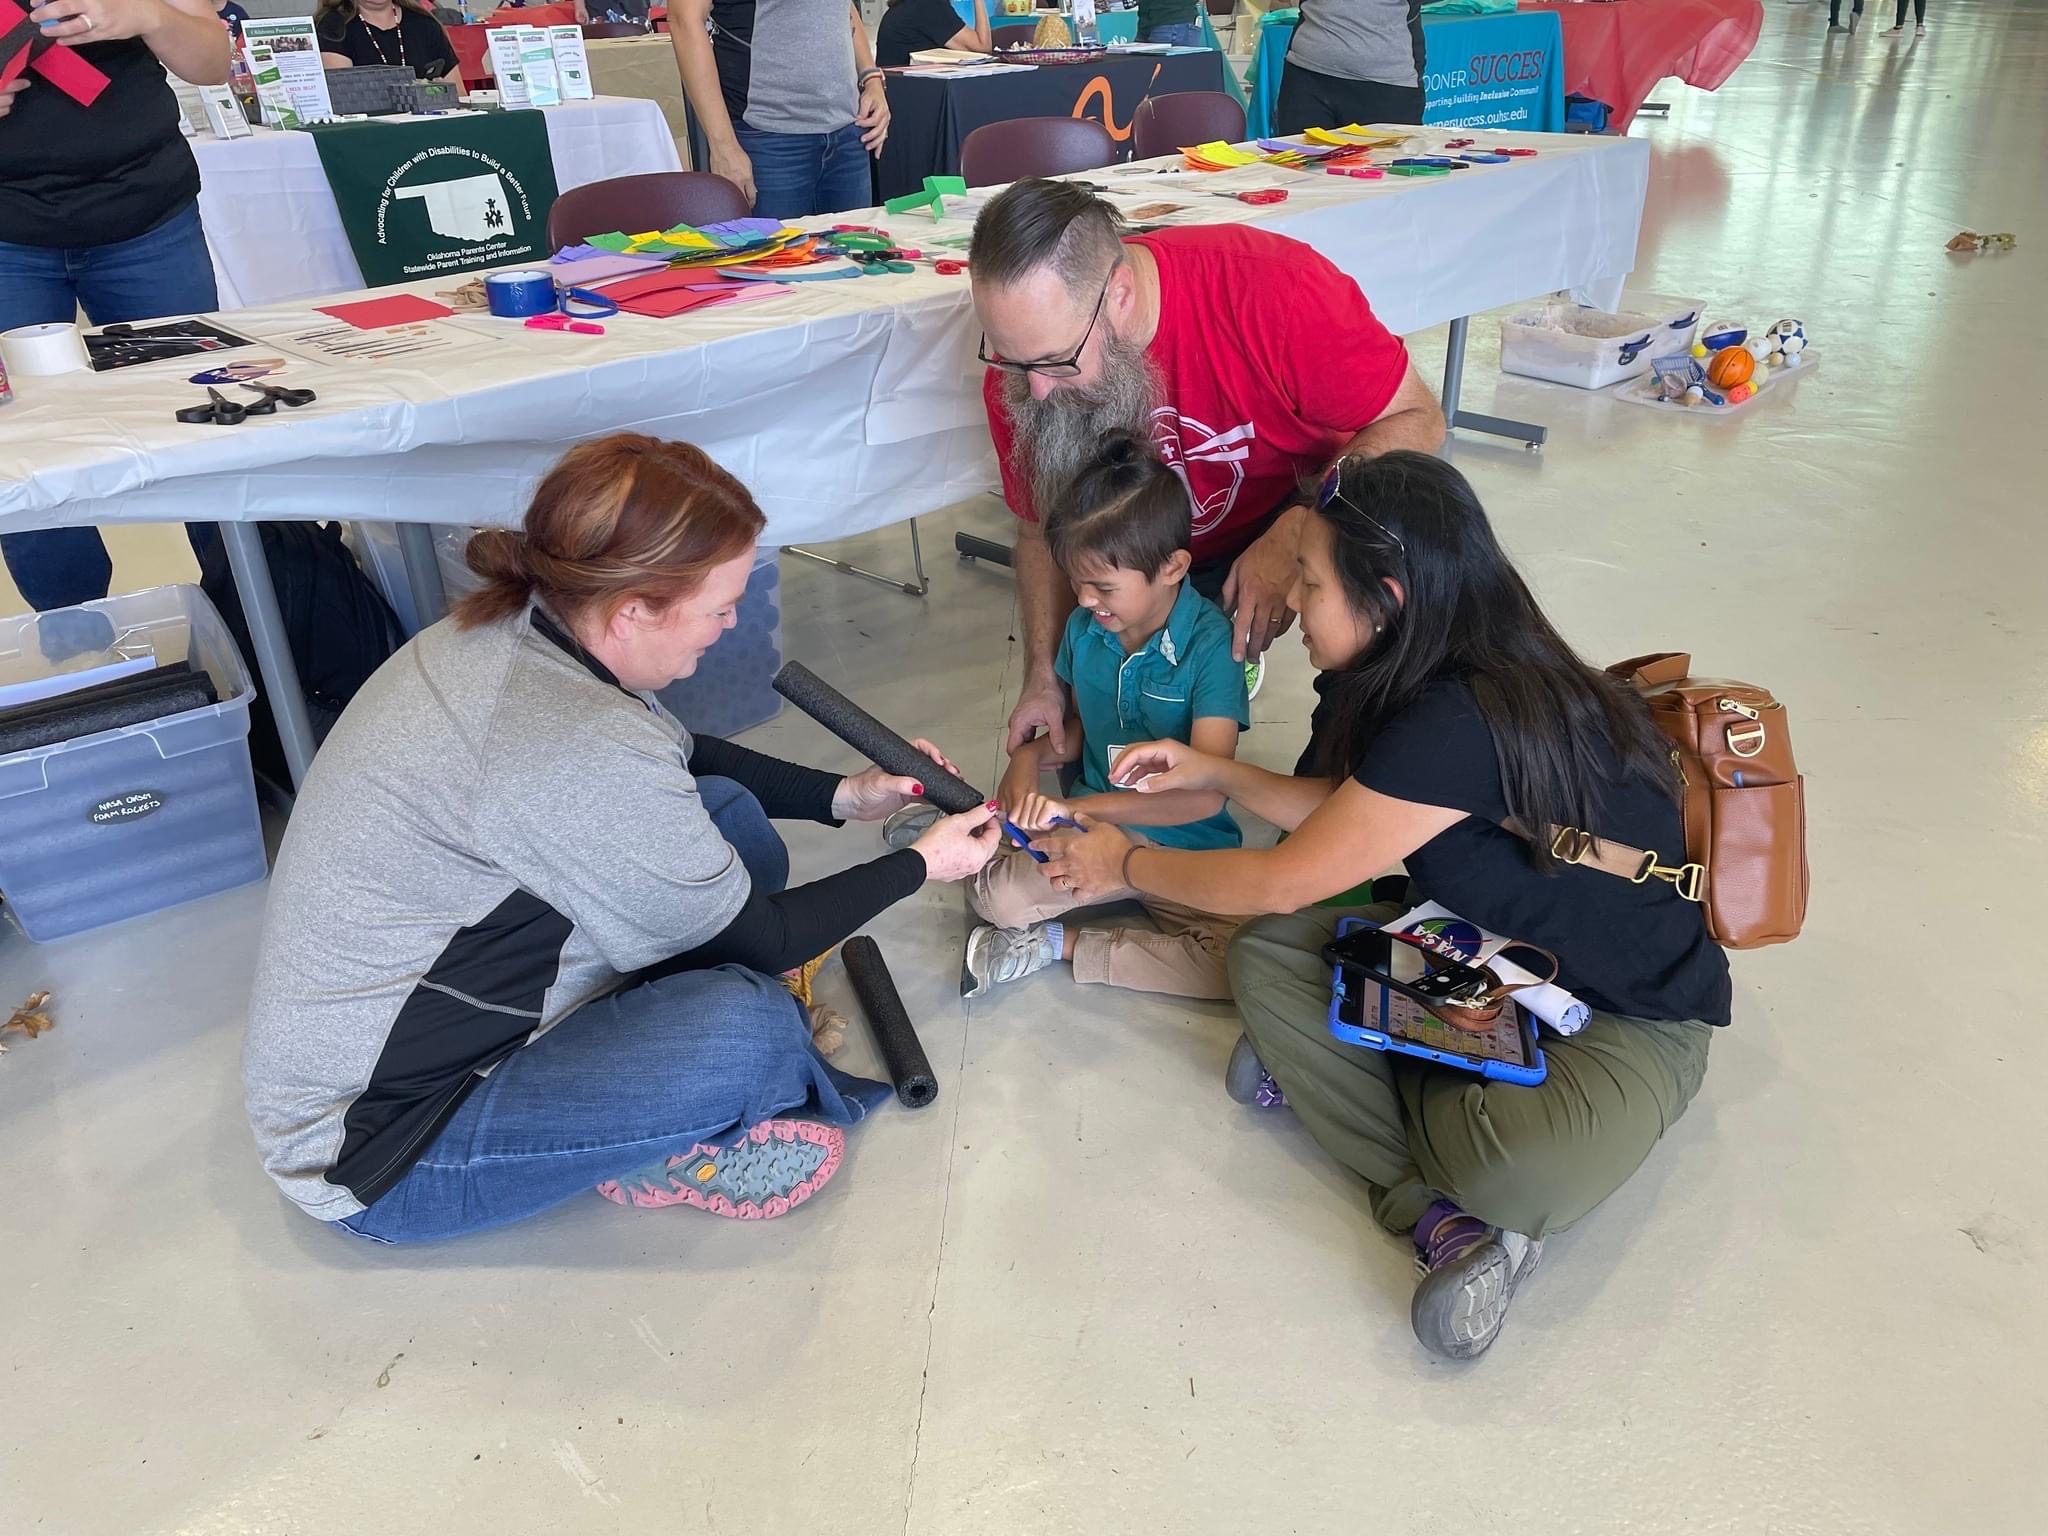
(1247, 1081)
(1469, 1274)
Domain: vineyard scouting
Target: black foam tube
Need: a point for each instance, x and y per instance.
(908, 1066)
(87, 719)
(874, 741)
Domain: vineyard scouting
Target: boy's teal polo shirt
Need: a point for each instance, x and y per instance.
(1182, 674)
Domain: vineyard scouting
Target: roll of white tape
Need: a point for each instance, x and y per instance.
(35, 351)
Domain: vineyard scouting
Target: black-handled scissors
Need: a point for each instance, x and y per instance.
(275, 395)
(222, 411)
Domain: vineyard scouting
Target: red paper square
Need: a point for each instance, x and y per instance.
(375, 314)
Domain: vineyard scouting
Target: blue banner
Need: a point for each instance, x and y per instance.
(1503, 72)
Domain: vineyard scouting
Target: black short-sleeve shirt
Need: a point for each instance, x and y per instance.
(78, 176)
(418, 40)
(1639, 950)
(911, 25)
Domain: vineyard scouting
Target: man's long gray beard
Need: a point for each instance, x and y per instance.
(1060, 436)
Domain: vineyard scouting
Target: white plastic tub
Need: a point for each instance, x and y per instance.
(142, 817)
(1576, 344)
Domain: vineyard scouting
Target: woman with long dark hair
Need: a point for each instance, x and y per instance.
(1454, 711)
(363, 33)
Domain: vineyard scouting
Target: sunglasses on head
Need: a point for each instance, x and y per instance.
(1333, 490)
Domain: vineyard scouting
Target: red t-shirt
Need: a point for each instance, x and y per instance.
(1270, 360)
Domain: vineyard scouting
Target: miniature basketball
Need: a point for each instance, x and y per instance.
(1729, 367)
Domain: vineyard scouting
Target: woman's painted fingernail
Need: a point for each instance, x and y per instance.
(917, 788)
(993, 806)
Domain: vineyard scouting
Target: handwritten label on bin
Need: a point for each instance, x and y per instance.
(132, 806)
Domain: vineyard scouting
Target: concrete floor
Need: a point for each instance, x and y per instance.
(1086, 1293)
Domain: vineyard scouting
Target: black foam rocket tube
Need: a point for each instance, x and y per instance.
(908, 1066)
(874, 740)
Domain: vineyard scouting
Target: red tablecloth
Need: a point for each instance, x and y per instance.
(1617, 50)
(560, 14)
(471, 43)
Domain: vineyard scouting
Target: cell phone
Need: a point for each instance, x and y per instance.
(1370, 953)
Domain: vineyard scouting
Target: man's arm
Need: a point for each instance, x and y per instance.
(1255, 592)
(700, 84)
(1044, 599)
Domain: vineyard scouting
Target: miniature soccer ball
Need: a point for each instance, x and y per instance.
(1788, 339)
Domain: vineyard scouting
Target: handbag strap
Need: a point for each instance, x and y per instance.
(1572, 845)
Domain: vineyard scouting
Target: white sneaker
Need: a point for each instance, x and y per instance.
(996, 955)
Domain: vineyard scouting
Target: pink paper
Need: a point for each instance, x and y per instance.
(375, 314)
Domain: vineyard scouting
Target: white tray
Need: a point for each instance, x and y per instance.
(1643, 390)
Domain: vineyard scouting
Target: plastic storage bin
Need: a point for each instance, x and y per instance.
(1576, 344)
(134, 820)
(732, 687)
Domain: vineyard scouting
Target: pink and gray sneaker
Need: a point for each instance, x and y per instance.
(763, 1172)
(1469, 1274)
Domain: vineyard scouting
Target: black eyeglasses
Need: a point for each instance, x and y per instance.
(1067, 367)
(1333, 490)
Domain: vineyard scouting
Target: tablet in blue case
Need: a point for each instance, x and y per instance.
(1364, 1012)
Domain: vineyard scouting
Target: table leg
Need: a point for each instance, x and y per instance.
(1473, 421)
(422, 571)
(244, 544)
(973, 547)
(919, 588)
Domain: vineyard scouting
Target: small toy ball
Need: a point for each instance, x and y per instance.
(1694, 395)
(1699, 349)
(1789, 338)
(1732, 365)
(1740, 393)
(1723, 333)
(1760, 347)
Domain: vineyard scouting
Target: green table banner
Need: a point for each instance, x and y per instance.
(449, 194)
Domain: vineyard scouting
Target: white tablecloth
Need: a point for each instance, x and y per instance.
(275, 233)
(844, 406)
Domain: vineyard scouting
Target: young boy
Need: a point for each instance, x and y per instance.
(1144, 658)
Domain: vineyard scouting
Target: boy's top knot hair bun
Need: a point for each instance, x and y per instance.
(1121, 450)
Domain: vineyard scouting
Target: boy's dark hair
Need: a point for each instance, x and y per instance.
(1127, 510)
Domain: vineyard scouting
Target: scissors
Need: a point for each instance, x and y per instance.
(275, 395)
(560, 322)
(1263, 195)
(950, 266)
(1357, 172)
(222, 411)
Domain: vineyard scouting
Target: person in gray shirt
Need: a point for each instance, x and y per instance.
(524, 929)
(1352, 61)
(788, 97)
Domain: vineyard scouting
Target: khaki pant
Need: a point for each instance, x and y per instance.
(1529, 1160)
(1184, 958)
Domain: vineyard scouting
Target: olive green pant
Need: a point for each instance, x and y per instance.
(1529, 1160)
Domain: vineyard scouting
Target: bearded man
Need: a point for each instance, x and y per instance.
(1248, 361)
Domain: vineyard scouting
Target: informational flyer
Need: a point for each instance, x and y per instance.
(572, 63)
(509, 66)
(284, 58)
(537, 55)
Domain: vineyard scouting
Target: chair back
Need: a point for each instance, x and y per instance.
(1167, 123)
(1034, 146)
(657, 200)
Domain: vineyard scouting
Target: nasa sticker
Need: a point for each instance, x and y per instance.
(133, 806)
(236, 373)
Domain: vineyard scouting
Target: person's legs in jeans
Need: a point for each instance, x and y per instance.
(742, 823)
(785, 170)
(164, 272)
(1182, 34)
(845, 178)
(624, 1082)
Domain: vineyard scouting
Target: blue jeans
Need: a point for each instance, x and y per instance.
(163, 272)
(1182, 34)
(627, 1081)
(797, 174)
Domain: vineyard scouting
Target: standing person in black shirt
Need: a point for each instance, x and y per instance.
(369, 32)
(912, 25)
(99, 209)
(1455, 710)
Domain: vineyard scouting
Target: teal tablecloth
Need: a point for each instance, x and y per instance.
(1111, 27)
(1501, 72)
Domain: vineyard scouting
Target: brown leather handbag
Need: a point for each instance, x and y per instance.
(1744, 804)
